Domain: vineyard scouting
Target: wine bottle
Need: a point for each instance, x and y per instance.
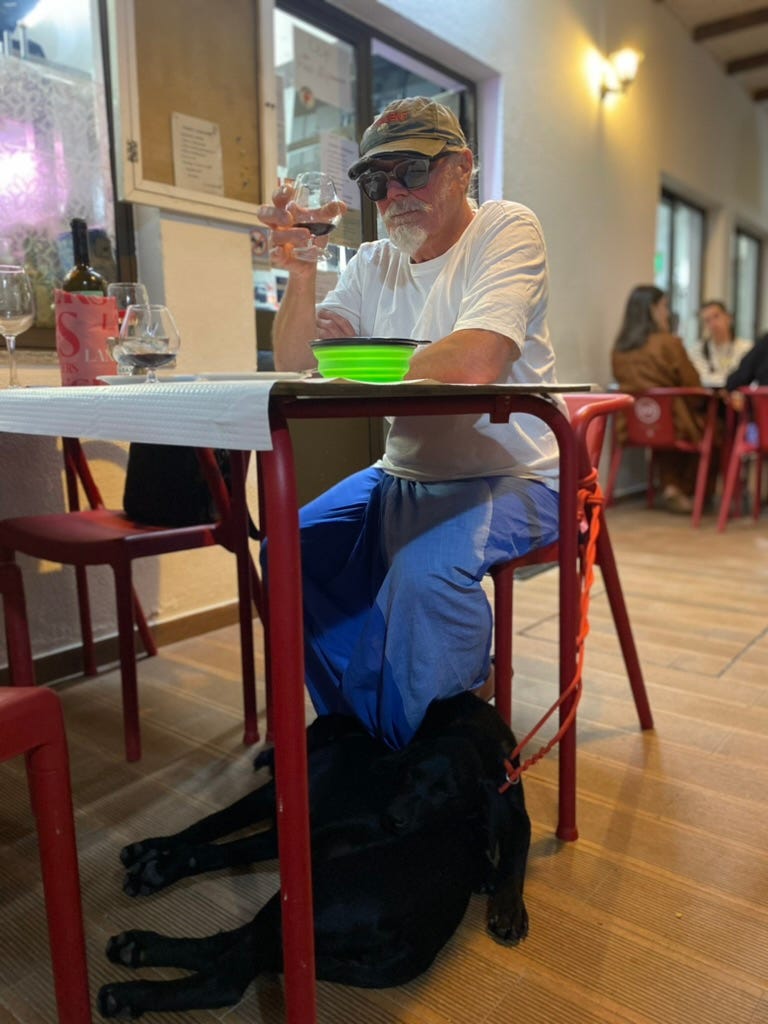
(82, 278)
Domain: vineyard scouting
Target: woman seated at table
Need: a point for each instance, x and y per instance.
(646, 354)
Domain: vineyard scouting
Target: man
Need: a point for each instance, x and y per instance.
(393, 557)
(719, 351)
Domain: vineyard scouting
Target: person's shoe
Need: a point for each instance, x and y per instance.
(677, 502)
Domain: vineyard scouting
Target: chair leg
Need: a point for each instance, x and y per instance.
(127, 649)
(757, 498)
(731, 476)
(20, 662)
(607, 563)
(246, 575)
(147, 638)
(48, 777)
(86, 629)
(650, 498)
(613, 472)
(702, 476)
(503, 581)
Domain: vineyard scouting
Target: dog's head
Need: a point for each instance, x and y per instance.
(434, 781)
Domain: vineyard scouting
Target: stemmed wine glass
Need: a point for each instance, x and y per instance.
(125, 294)
(316, 205)
(17, 312)
(149, 338)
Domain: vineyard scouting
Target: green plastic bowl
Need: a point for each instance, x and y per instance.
(373, 360)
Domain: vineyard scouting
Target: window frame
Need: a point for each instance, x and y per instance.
(676, 201)
(740, 232)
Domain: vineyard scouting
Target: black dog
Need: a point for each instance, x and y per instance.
(399, 842)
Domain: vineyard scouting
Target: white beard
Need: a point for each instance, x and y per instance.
(408, 238)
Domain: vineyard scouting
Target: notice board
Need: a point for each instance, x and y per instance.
(200, 60)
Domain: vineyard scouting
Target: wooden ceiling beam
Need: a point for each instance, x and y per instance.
(736, 23)
(748, 63)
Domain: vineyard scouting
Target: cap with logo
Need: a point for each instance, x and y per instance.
(416, 125)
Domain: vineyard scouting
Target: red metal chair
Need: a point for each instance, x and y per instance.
(651, 425)
(101, 536)
(31, 723)
(749, 444)
(588, 413)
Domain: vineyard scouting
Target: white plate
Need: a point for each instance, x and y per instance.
(163, 378)
(257, 375)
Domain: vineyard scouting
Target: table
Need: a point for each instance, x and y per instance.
(254, 415)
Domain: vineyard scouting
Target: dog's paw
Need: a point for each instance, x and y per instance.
(115, 1001)
(126, 948)
(507, 919)
(150, 875)
(144, 849)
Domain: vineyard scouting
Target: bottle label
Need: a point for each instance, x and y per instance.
(83, 324)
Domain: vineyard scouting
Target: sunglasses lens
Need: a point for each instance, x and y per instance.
(413, 173)
(374, 184)
(410, 173)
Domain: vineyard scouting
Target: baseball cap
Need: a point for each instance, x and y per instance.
(415, 125)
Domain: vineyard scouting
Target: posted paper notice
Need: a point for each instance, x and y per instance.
(197, 161)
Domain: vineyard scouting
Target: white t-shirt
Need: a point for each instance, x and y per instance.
(713, 368)
(494, 278)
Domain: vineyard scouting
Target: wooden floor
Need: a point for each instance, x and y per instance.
(658, 913)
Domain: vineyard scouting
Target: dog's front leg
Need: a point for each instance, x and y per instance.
(509, 842)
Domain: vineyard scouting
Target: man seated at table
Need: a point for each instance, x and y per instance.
(393, 557)
(719, 351)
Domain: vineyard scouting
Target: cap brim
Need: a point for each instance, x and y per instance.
(421, 147)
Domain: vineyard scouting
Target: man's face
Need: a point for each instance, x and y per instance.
(423, 221)
(716, 324)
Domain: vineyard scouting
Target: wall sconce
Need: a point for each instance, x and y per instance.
(619, 71)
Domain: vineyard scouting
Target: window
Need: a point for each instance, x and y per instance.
(747, 268)
(679, 260)
(332, 75)
(54, 149)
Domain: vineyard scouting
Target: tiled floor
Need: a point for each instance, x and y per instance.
(658, 913)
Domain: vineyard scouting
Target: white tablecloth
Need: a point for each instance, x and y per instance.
(208, 414)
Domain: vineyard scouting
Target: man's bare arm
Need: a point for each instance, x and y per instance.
(295, 323)
(465, 357)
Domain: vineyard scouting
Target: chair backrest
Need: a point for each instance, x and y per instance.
(589, 414)
(651, 422)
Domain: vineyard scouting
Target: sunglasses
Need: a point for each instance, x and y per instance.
(411, 174)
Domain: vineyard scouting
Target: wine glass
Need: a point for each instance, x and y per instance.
(316, 205)
(17, 312)
(125, 294)
(149, 338)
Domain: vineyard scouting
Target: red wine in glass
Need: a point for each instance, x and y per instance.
(317, 207)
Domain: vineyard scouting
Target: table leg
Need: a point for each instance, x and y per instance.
(569, 611)
(287, 687)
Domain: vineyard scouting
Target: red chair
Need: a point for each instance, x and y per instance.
(749, 444)
(588, 414)
(31, 723)
(101, 536)
(20, 665)
(651, 425)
